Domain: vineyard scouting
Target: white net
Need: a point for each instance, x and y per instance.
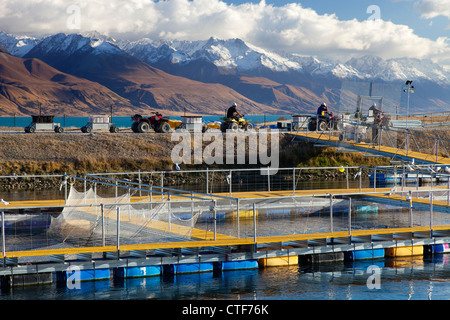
(91, 220)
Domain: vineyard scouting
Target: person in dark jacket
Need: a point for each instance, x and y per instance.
(232, 112)
(322, 110)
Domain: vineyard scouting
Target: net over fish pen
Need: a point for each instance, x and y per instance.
(90, 220)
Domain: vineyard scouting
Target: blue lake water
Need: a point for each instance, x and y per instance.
(411, 278)
(123, 122)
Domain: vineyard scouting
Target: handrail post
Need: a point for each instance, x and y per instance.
(349, 217)
(375, 179)
(103, 224)
(229, 176)
(431, 210)
(331, 213)
(118, 233)
(215, 219)
(3, 239)
(254, 225)
(410, 209)
(207, 180)
(237, 217)
(293, 181)
(65, 188)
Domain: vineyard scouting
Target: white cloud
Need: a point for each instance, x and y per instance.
(290, 27)
(434, 8)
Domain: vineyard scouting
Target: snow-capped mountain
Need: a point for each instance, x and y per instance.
(62, 44)
(17, 45)
(232, 54)
(273, 79)
(242, 56)
(398, 69)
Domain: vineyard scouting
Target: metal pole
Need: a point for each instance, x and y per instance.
(360, 179)
(448, 190)
(346, 176)
(207, 180)
(103, 224)
(431, 210)
(407, 138)
(116, 192)
(215, 219)
(230, 181)
(254, 223)
(65, 188)
(162, 185)
(407, 109)
(151, 198)
(437, 149)
(3, 238)
(331, 213)
(118, 232)
(293, 181)
(410, 209)
(403, 180)
(349, 217)
(139, 181)
(237, 216)
(170, 216)
(375, 179)
(268, 179)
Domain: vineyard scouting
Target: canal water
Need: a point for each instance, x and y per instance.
(412, 278)
(125, 122)
(406, 278)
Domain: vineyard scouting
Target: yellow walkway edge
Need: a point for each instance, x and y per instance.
(223, 242)
(391, 150)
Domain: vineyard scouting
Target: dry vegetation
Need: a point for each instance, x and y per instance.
(73, 152)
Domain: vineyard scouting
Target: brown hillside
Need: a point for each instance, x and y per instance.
(26, 84)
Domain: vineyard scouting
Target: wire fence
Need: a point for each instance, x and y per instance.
(157, 213)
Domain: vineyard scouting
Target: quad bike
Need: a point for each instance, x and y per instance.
(157, 122)
(322, 123)
(235, 124)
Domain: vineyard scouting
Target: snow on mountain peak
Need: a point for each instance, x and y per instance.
(232, 54)
(17, 45)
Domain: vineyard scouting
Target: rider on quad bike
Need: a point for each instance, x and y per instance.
(235, 120)
(324, 119)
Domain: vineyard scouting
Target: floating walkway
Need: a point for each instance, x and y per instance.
(203, 254)
(384, 151)
(155, 259)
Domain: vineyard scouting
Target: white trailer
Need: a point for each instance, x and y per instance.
(99, 122)
(43, 123)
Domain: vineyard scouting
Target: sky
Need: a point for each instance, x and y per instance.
(328, 29)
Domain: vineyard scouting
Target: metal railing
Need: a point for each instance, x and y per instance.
(262, 225)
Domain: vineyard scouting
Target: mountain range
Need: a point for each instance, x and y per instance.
(205, 77)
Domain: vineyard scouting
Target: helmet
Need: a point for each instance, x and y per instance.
(234, 105)
(323, 104)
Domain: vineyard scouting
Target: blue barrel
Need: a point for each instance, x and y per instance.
(83, 275)
(364, 254)
(137, 272)
(193, 267)
(239, 265)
